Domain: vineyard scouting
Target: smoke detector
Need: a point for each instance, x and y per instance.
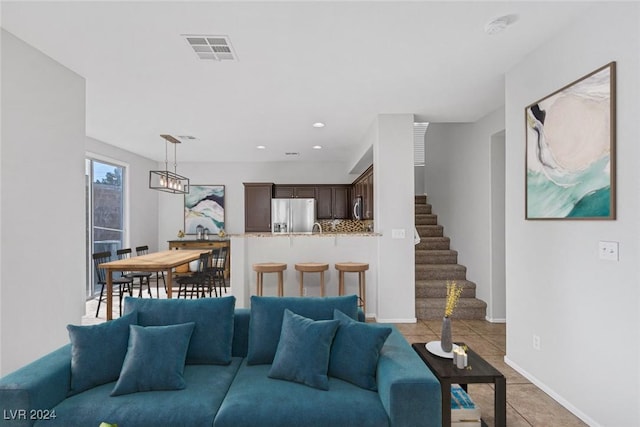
(498, 25)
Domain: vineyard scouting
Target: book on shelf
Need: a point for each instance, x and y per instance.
(464, 411)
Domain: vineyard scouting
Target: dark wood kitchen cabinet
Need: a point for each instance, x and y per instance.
(257, 207)
(294, 191)
(333, 202)
(363, 187)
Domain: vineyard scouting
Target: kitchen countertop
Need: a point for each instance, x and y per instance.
(328, 234)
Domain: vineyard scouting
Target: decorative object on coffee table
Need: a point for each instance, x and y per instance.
(453, 295)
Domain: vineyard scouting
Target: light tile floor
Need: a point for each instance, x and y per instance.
(527, 405)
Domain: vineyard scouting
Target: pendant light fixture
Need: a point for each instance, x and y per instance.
(166, 180)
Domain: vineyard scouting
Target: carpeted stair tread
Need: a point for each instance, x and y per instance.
(440, 256)
(467, 308)
(430, 230)
(438, 288)
(421, 199)
(426, 219)
(433, 243)
(423, 209)
(441, 272)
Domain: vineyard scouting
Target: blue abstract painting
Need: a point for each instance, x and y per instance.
(204, 205)
(570, 151)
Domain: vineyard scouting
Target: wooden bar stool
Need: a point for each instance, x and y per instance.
(269, 267)
(353, 267)
(312, 267)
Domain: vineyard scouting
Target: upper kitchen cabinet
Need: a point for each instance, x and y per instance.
(363, 187)
(295, 191)
(333, 202)
(257, 207)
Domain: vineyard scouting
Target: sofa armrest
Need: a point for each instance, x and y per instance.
(38, 386)
(409, 391)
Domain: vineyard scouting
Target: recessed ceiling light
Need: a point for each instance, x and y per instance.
(317, 147)
(318, 125)
(498, 25)
(261, 147)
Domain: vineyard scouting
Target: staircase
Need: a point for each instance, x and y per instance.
(436, 264)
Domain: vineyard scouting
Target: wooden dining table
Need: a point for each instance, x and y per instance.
(156, 261)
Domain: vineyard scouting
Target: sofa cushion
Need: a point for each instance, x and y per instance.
(254, 399)
(212, 336)
(303, 351)
(155, 359)
(97, 352)
(194, 406)
(355, 351)
(267, 314)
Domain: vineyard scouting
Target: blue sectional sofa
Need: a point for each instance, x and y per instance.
(205, 363)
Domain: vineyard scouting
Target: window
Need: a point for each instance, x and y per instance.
(419, 130)
(105, 213)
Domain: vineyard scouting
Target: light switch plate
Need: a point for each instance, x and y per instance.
(397, 233)
(608, 250)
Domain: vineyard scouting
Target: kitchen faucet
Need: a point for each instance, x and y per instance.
(314, 226)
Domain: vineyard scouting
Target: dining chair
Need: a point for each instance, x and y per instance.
(199, 280)
(124, 283)
(144, 250)
(217, 269)
(142, 276)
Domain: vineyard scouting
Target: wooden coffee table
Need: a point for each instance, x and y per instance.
(481, 372)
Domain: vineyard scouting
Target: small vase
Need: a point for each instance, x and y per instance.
(445, 336)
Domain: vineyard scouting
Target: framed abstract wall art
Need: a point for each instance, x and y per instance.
(204, 205)
(570, 150)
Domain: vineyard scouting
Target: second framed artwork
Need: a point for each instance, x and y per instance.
(570, 150)
(204, 205)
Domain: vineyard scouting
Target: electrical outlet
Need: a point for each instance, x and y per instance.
(536, 342)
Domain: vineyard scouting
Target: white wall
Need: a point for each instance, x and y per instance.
(42, 270)
(392, 138)
(141, 201)
(585, 310)
(458, 183)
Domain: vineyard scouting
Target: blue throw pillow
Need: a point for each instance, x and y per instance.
(303, 351)
(213, 334)
(267, 314)
(97, 352)
(155, 359)
(355, 351)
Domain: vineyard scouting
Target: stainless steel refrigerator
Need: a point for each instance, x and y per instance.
(292, 215)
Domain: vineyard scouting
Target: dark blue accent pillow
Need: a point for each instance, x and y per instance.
(303, 350)
(267, 314)
(97, 352)
(213, 334)
(155, 359)
(355, 351)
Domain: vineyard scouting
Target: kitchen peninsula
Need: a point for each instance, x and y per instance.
(330, 248)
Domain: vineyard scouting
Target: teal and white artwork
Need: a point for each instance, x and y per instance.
(570, 150)
(204, 205)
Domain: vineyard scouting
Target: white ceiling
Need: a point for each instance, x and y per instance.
(341, 63)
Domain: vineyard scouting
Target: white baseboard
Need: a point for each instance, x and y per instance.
(498, 320)
(555, 396)
(410, 320)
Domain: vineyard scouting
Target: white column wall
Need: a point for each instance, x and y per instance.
(393, 184)
(585, 310)
(42, 269)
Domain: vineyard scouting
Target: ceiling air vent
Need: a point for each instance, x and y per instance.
(216, 48)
